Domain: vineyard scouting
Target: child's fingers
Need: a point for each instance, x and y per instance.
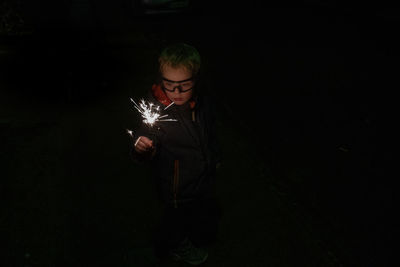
(143, 144)
(147, 142)
(141, 147)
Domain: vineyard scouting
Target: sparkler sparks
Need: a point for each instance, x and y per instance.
(150, 112)
(129, 132)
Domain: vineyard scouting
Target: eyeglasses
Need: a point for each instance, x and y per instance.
(182, 86)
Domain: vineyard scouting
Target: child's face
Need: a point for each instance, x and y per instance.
(177, 84)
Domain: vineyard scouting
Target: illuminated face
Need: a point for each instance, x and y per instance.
(177, 83)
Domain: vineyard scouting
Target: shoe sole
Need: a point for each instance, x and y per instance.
(176, 257)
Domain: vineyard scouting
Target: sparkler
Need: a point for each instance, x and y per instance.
(150, 112)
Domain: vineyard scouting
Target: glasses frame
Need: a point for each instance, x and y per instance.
(180, 89)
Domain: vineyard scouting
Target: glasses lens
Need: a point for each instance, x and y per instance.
(181, 86)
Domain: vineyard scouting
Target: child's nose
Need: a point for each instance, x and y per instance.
(178, 87)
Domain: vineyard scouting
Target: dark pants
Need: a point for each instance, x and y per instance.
(198, 221)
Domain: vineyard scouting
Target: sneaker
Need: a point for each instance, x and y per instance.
(189, 253)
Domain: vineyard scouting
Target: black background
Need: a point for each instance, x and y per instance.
(306, 106)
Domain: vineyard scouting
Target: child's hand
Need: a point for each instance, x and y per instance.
(143, 144)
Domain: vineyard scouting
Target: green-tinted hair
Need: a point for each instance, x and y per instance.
(180, 54)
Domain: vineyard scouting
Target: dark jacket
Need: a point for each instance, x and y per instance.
(186, 152)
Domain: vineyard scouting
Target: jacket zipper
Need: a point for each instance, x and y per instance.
(176, 181)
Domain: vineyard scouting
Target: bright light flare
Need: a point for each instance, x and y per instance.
(150, 112)
(129, 132)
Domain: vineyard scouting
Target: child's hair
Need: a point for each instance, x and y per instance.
(180, 54)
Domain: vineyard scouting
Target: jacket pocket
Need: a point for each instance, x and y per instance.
(176, 181)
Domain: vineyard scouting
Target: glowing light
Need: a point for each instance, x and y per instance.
(129, 132)
(169, 106)
(150, 112)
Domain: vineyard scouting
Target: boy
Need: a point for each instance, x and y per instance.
(184, 155)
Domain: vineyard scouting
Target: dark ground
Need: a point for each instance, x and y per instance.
(304, 116)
